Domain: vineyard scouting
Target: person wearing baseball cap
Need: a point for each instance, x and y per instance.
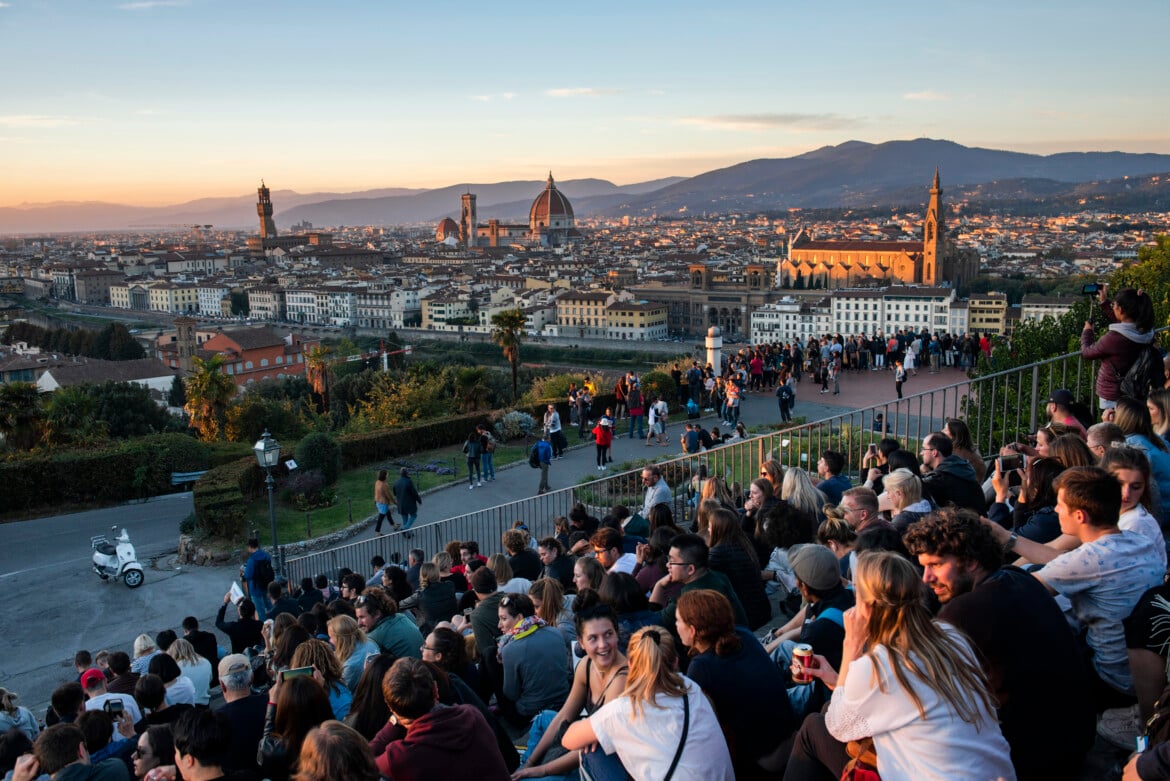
(94, 683)
(244, 712)
(818, 576)
(1059, 410)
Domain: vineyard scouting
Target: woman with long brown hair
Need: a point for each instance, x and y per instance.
(725, 657)
(1133, 418)
(661, 720)
(910, 683)
(734, 555)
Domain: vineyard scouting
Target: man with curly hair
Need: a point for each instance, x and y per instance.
(1029, 652)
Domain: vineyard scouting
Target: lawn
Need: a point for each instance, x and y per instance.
(355, 492)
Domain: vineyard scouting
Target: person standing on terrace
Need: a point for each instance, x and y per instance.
(1131, 327)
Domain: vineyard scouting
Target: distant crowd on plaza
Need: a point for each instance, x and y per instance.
(945, 614)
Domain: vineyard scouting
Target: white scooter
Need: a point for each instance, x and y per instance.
(117, 559)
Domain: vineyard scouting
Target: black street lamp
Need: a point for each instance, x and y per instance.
(267, 452)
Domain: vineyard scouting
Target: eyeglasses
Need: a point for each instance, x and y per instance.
(424, 647)
(678, 563)
(506, 601)
(142, 754)
(361, 601)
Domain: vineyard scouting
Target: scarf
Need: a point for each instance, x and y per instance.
(526, 627)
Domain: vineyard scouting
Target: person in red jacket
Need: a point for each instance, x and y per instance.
(603, 439)
(1131, 327)
(425, 740)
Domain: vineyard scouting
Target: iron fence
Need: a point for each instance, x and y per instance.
(998, 408)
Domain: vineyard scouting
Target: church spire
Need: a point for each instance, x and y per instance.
(936, 185)
(933, 248)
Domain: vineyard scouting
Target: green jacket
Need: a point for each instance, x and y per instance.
(398, 635)
(716, 581)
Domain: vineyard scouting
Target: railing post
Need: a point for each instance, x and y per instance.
(1035, 396)
(350, 500)
(308, 525)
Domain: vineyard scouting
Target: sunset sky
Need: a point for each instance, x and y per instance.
(162, 101)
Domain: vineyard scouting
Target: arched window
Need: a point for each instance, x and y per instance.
(247, 364)
(263, 362)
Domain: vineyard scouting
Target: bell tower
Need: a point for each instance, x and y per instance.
(264, 211)
(933, 229)
(467, 221)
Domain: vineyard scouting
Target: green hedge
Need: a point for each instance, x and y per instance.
(221, 494)
(132, 469)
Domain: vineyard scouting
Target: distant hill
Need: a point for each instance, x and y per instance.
(854, 174)
(896, 172)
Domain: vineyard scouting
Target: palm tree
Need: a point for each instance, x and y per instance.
(20, 414)
(471, 387)
(508, 333)
(209, 390)
(317, 373)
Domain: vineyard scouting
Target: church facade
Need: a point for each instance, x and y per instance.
(550, 223)
(838, 264)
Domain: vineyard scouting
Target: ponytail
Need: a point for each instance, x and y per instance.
(653, 670)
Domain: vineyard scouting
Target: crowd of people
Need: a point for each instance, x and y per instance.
(943, 615)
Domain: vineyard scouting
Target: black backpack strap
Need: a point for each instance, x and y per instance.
(682, 742)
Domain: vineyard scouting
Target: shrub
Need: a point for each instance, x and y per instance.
(658, 384)
(513, 425)
(320, 451)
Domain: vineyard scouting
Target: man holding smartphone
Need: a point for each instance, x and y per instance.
(94, 683)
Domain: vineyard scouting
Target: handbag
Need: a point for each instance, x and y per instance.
(863, 763)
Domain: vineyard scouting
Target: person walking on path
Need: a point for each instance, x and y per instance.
(786, 393)
(899, 377)
(382, 500)
(472, 451)
(544, 455)
(603, 439)
(658, 412)
(408, 499)
(634, 400)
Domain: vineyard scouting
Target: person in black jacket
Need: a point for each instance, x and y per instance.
(524, 561)
(204, 644)
(245, 632)
(733, 554)
(950, 479)
(557, 564)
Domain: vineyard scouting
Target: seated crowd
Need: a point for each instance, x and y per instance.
(945, 617)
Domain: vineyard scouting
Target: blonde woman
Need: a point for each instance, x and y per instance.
(662, 726)
(910, 683)
(144, 650)
(351, 647)
(195, 667)
(904, 489)
(434, 601)
(773, 472)
(837, 534)
(508, 582)
(798, 490)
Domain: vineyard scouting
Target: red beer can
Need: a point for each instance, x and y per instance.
(802, 655)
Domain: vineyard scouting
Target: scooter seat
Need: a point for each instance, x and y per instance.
(107, 549)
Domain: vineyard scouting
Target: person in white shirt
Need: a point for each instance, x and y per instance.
(196, 669)
(607, 547)
(911, 683)
(657, 491)
(657, 418)
(94, 683)
(662, 726)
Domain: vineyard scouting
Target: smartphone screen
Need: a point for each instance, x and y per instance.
(297, 672)
(468, 611)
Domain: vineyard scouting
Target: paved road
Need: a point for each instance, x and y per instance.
(56, 605)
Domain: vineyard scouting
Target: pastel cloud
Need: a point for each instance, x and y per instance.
(36, 120)
(767, 121)
(146, 5)
(927, 96)
(574, 92)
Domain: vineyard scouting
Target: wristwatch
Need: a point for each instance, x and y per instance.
(1010, 545)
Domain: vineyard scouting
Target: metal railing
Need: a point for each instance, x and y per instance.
(998, 408)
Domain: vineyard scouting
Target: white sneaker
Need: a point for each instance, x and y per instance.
(471, 488)
(480, 485)
(1120, 726)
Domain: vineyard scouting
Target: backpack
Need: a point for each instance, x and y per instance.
(785, 393)
(262, 572)
(1144, 375)
(490, 444)
(534, 457)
